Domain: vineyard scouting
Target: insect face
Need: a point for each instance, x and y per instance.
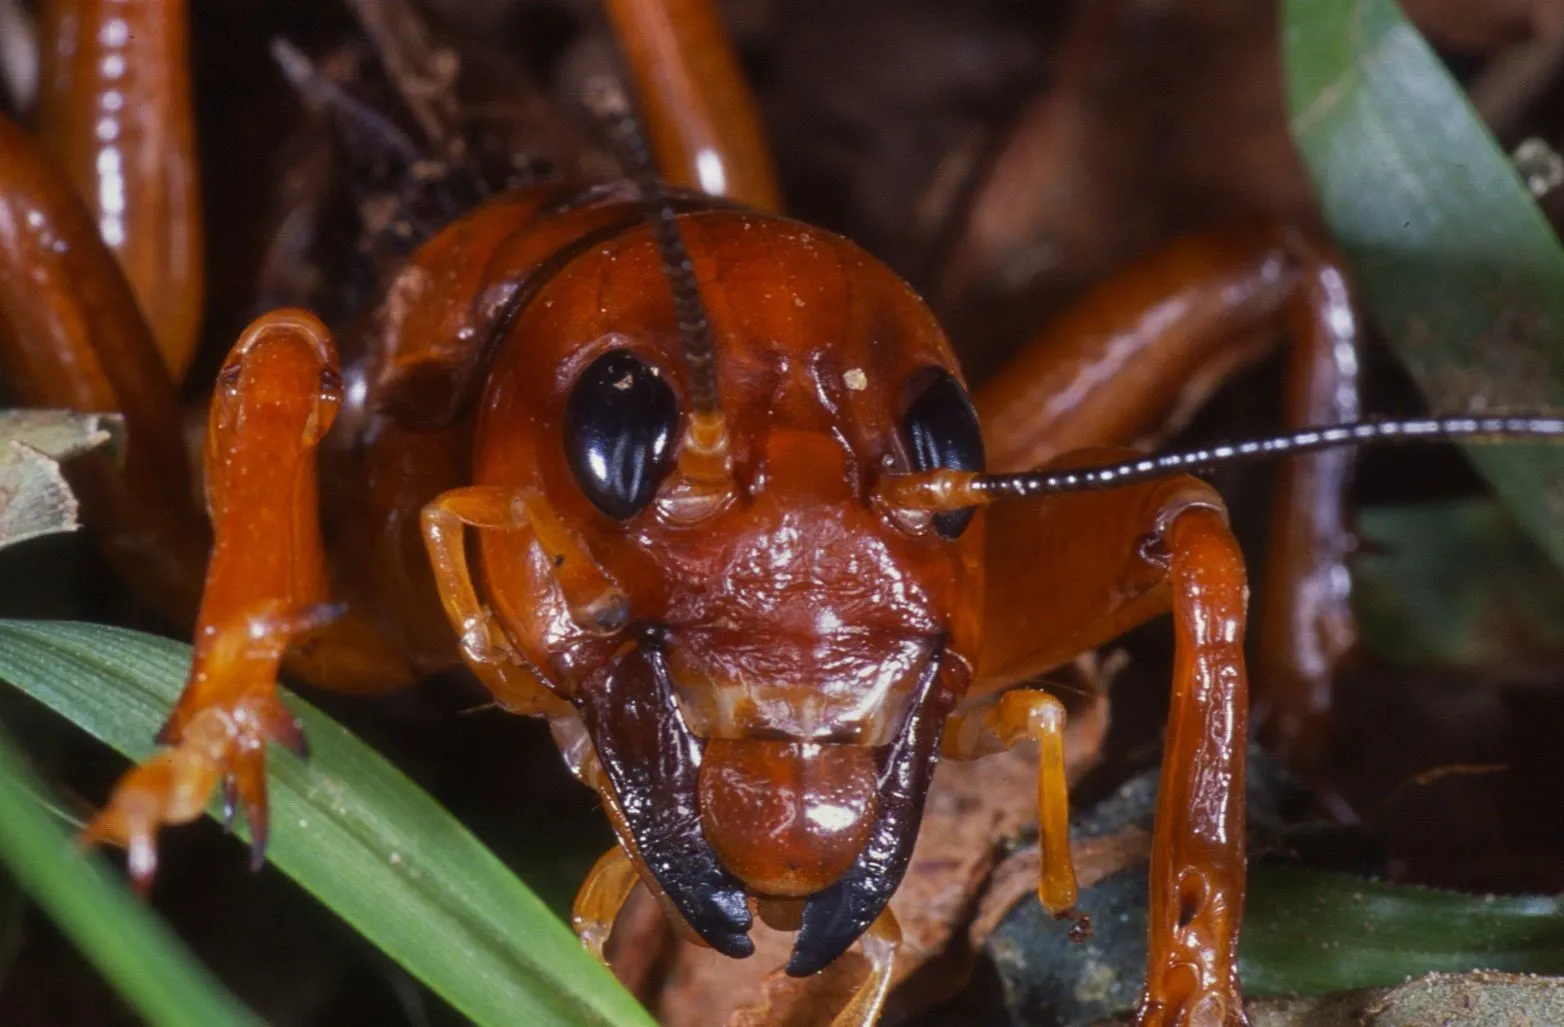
(790, 638)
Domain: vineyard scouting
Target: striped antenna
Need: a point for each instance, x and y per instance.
(941, 491)
(1308, 440)
(607, 100)
(703, 480)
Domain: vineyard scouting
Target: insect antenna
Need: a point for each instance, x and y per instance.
(953, 490)
(704, 458)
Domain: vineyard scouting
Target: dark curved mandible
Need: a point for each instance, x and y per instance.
(653, 761)
(834, 918)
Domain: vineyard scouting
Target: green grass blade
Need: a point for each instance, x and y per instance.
(1460, 269)
(1309, 933)
(140, 956)
(353, 831)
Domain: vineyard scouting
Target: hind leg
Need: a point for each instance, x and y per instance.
(1138, 355)
(114, 108)
(71, 336)
(701, 115)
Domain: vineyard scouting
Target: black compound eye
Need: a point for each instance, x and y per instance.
(619, 427)
(940, 431)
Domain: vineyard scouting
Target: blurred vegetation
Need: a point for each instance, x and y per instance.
(1462, 272)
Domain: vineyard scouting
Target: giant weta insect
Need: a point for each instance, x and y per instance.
(737, 536)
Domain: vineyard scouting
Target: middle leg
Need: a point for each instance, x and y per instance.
(1109, 561)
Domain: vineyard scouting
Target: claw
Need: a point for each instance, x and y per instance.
(141, 861)
(131, 823)
(260, 834)
(221, 745)
(155, 792)
(230, 802)
(250, 774)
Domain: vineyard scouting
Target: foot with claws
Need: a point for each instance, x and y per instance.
(224, 743)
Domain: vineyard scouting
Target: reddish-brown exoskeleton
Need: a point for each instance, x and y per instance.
(729, 494)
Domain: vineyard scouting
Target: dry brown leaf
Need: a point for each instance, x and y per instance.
(35, 498)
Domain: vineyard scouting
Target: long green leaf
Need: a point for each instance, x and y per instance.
(147, 964)
(1455, 584)
(1305, 932)
(354, 832)
(1308, 932)
(1461, 270)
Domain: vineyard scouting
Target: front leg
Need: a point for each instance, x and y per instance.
(265, 585)
(1089, 567)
